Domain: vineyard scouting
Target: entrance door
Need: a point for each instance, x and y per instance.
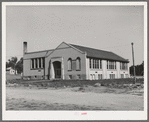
(57, 73)
(57, 69)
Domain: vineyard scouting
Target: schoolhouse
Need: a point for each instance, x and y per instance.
(69, 61)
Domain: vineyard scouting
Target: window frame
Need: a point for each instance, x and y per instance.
(79, 63)
(69, 69)
(35, 62)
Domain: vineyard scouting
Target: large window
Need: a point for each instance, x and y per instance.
(74, 64)
(99, 76)
(112, 76)
(78, 64)
(123, 66)
(111, 64)
(95, 63)
(37, 63)
(69, 64)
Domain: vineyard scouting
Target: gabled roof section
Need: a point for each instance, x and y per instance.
(36, 54)
(63, 45)
(96, 53)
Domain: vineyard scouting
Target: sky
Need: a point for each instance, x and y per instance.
(109, 28)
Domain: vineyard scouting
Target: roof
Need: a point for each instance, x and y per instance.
(96, 53)
(91, 52)
(36, 54)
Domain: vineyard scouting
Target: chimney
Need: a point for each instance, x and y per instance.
(24, 47)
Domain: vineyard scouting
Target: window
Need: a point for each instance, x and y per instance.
(107, 64)
(100, 64)
(99, 76)
(37, 63)
(32, 60)
(78, 64)
(126, 66)
(111, 64)
(69, 64)
(95, 67)
(97, 64)
(112, 76)
(122, 75)
(43, 62)
(123, 66)
(90, 63)
(126, 76)
(115, 64)
(94, 63)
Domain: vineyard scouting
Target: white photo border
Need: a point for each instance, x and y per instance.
(71, 115)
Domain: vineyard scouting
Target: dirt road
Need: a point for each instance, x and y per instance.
(67, 98)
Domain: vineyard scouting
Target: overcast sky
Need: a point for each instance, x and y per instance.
(110, 28)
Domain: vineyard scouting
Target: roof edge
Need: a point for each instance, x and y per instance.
(39, 51)
(109, 59)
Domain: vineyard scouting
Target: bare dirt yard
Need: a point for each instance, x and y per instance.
(20, 96)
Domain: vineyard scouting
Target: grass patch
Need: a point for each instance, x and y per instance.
(116, 83)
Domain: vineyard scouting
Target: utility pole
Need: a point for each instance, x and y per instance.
(133, 64)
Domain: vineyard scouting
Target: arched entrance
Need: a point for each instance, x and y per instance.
(57, 69)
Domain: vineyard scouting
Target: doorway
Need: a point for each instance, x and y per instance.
(57, 69)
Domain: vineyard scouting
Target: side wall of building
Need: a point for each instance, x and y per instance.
(93, 74)
(32, 73)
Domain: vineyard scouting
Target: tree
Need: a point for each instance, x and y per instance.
(12, 63)
(139, 69)
(19, 66)
(7, 65)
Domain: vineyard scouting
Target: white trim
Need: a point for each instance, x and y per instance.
(73, 3)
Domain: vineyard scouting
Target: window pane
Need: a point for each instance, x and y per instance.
(115, 65)
(90, 63)
(107, 64)
(93, 64)
(69, 64)
(43, 62)
(39, 62)
(36, 63)
(32, 63)
(73, 65)
(78, 64)
(100, 64)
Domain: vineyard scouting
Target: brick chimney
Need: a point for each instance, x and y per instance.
(24, 47)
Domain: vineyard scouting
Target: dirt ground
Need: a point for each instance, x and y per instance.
(91, 98)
